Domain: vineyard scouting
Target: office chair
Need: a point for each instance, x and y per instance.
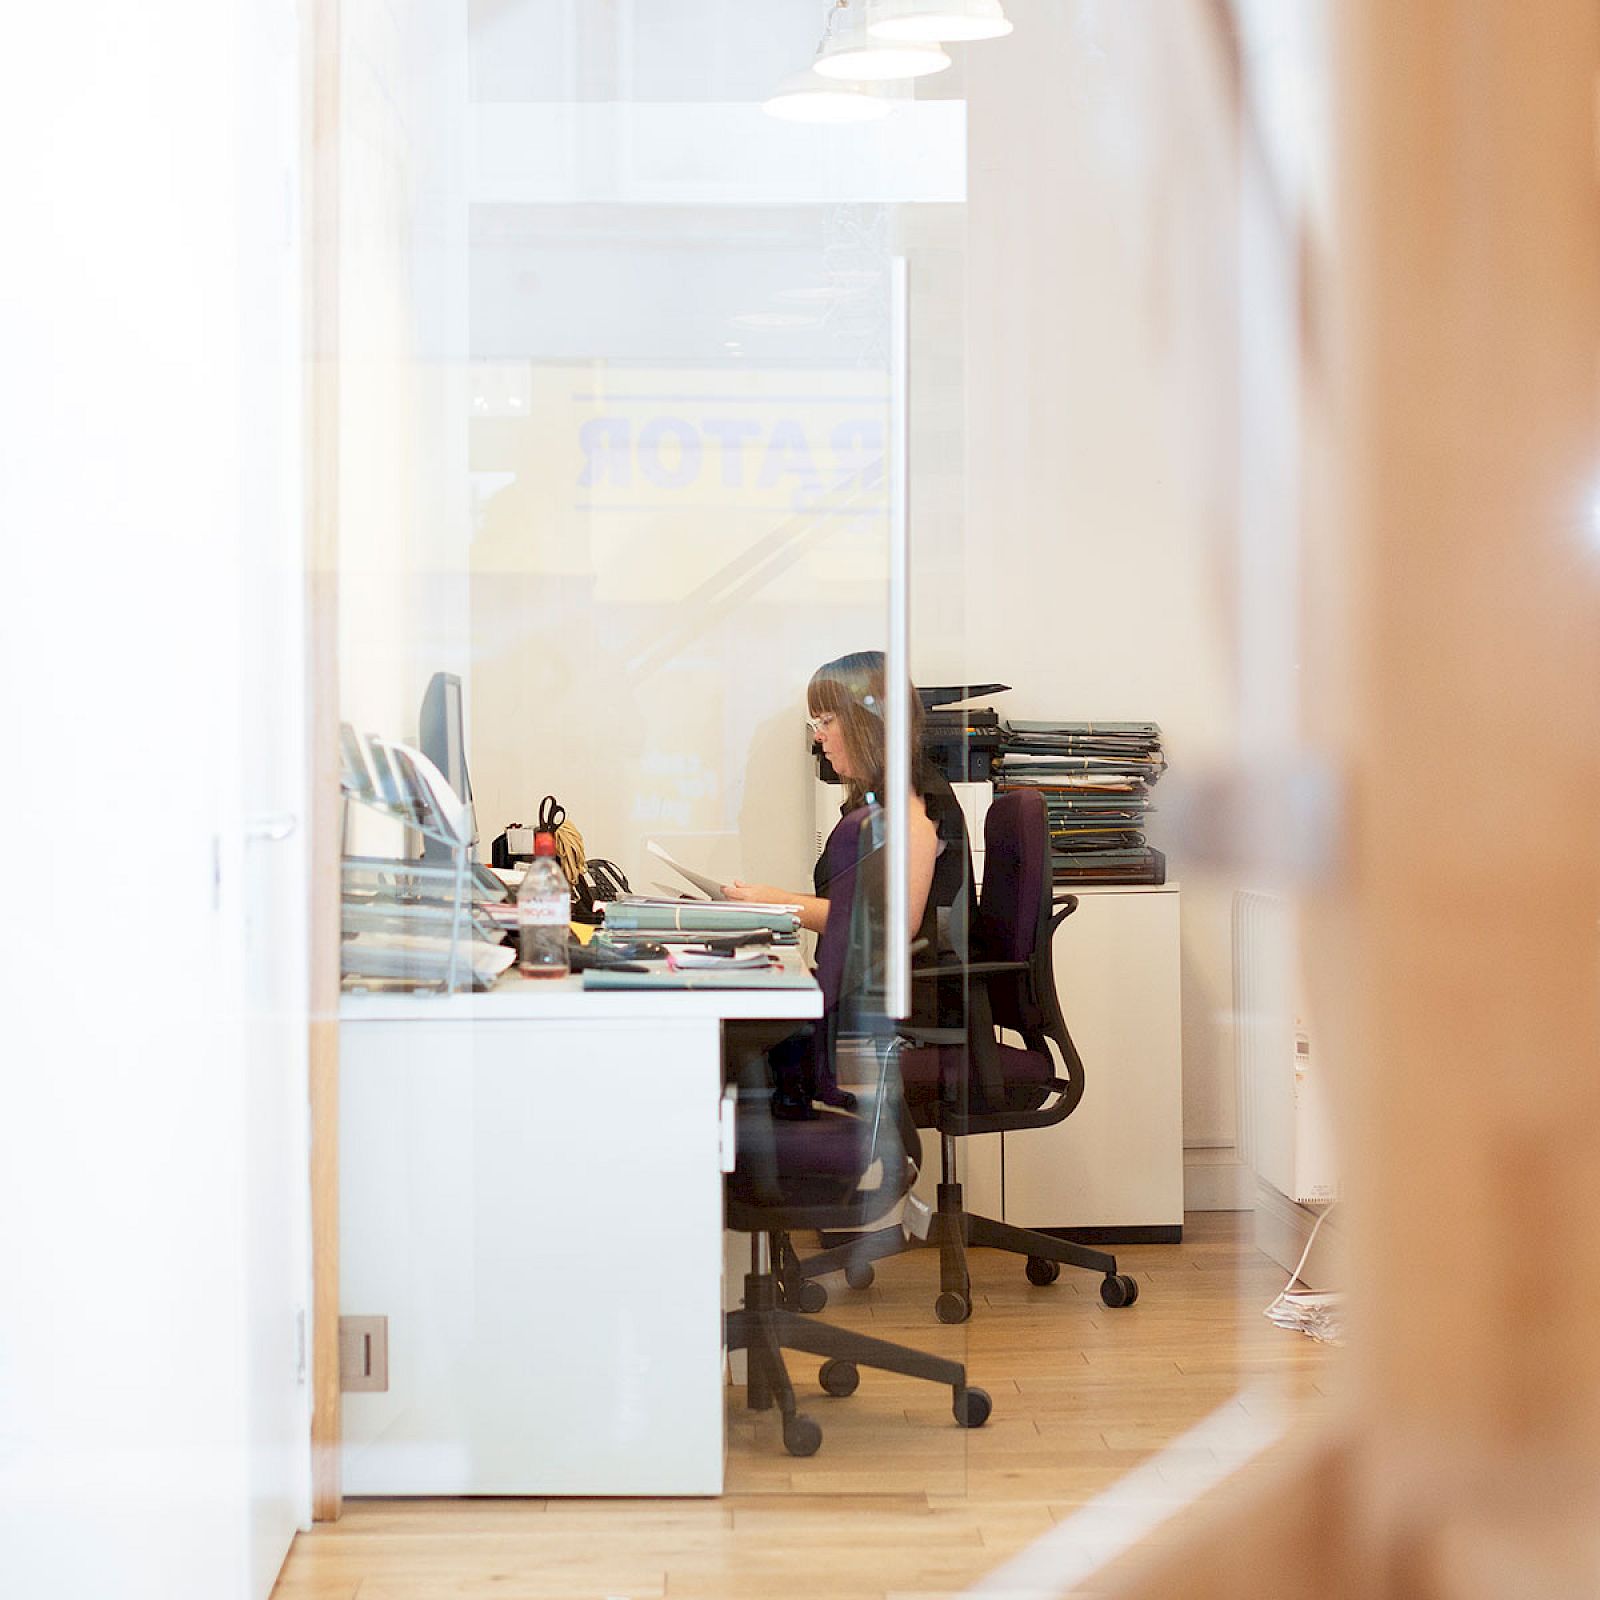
(809, 1173)
(965, 1081)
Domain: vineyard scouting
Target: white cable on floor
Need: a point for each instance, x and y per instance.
(1294, 1277)
(1303, 1310)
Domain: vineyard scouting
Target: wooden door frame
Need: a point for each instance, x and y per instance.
(320, 85)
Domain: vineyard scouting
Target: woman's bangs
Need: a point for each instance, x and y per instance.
(827, 696)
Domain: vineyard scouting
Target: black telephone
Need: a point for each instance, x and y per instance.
(599, 880)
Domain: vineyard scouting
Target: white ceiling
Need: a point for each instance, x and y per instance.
(654, 50)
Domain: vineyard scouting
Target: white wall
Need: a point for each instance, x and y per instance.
(158, 148)
(1102, 417)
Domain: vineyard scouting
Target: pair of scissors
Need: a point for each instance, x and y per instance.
(551, 814)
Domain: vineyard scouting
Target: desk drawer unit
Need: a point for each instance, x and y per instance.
(536, 1208)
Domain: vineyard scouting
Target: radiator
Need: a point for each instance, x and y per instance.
(1285, 1114)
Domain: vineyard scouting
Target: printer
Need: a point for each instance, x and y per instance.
(962, 742)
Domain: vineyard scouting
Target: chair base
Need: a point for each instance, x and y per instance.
(954, 1229)
(765, 1329)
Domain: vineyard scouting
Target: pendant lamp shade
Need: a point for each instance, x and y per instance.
(851, 54)
(806, 97)
(940, 21)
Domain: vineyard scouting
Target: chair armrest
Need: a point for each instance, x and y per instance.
(931, 1035)
(968, 969)
(1013, 1121)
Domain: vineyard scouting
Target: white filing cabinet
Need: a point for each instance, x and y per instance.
(1117, 1161)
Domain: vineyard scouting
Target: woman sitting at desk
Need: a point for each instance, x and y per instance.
(847, 704)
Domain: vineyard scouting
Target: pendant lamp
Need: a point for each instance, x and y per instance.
(806, 97)
(938, 21)
(850, 53)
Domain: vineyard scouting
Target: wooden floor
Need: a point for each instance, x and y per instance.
(899, 1504)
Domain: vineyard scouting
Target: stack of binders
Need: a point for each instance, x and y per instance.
(1096, 779)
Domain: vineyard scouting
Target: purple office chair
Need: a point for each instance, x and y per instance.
(963, 1081)
(808, 1173)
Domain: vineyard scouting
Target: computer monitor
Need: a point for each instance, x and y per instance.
(441, 732)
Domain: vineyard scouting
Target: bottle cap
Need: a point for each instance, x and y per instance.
(544, 844)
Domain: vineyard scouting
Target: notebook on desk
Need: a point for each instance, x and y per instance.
(660, 978)
(640, 914)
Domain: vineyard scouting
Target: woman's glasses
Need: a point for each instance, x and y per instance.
(820, 725)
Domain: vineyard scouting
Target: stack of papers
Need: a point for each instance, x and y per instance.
(420, 957)
(1095, 778)
(699, 957)
(662, 978)
(641, 914)
(1319, 1315)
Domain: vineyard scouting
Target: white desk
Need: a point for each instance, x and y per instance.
(531, 1193)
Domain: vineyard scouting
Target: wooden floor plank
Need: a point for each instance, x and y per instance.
(899, 1504)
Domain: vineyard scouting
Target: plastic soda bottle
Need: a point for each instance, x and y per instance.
(544, 910)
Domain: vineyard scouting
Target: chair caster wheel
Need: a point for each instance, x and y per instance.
(972, 1407)
(1118, 1289)
(801, 1436)
(952, 1307)
(807, 1295)
(859, 1275)
(1043, 1272)
(839, 1378)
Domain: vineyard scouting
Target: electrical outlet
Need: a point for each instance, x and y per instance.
(364, 1355)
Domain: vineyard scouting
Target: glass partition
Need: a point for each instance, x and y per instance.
(680, 510)
(641, 390)
(635, 404)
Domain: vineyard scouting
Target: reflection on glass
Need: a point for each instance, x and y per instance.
(843, 1168)
(618, 410)
(670, 531)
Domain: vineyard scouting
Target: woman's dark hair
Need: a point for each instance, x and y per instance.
(852, 689)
